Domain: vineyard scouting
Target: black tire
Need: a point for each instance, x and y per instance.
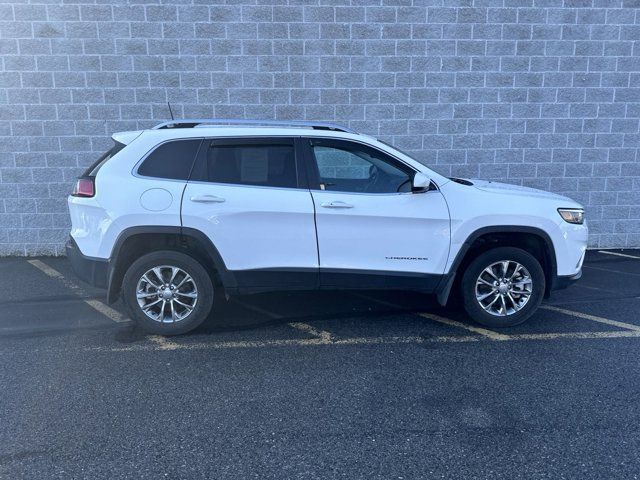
(192, 267)
(490, 257)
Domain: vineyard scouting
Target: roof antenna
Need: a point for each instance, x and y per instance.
(170, 111)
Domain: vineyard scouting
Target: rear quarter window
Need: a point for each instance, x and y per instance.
(104, 158)
(171, 160)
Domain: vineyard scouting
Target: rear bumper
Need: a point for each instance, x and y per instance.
(94, 271)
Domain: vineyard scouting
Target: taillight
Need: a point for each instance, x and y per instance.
(85, 187)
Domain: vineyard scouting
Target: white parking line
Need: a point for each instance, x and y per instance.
(305, 327)
(599, 289)
(97, 305)
(436, 318)
(480, 331)
(163, 343)
(611, 270)
(618, 254)
(593, 318)
(292, 343)
(156, 345)
(321, 334)
(574, 335)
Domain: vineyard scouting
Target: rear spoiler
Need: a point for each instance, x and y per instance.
(125, 138)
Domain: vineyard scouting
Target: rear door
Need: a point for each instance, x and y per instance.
(250, 197)
(373, 231)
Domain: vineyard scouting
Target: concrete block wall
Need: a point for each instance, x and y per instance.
(544, 93)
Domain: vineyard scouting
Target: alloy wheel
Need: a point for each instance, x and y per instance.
(503, 288)
(166, 294)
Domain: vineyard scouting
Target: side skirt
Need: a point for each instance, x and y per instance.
(273, 279)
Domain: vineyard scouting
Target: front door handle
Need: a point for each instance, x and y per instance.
(336, 204)
(207, 199)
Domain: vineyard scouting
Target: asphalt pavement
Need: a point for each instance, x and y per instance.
(320, 385)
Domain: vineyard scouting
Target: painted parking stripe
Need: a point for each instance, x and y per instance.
(321, 334)
(97, 305)
(618, 254)
(294, 343)
(305, 327)
(593, 318)
(163, 343)
(408, 340)
(106, 310)
(445, 321)
(589, 287)
(610, 270)
(480, 331)
(574, 335)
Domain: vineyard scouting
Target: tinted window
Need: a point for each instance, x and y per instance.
(93, 169)
(171, 160)
(266, 164)
(349, 167)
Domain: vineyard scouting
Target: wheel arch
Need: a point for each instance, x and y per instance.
(531, 239)
(136, 241)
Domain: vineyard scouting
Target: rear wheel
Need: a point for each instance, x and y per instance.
(167, 292)
(503, 287)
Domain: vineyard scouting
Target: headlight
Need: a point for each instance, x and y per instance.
(572, 215)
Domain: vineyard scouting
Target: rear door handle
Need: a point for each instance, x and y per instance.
(336, 204)
(207, 199)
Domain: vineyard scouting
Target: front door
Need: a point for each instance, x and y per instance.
(372, 230)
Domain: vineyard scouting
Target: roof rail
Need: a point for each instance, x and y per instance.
(195, 122)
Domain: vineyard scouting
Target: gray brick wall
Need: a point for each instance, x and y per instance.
(544, 93)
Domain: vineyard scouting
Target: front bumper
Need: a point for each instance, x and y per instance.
(94, 271)
(563, 281)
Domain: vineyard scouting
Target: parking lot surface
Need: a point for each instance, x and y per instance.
(320, 385)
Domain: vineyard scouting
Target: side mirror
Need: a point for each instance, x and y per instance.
(420, 182)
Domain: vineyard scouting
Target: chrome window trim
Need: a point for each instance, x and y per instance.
(135, 173)
(242, 185)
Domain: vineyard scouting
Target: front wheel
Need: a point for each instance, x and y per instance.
(167, 292)
(503, 287)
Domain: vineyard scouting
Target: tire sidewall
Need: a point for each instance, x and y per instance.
(492, 256)
(177, 259)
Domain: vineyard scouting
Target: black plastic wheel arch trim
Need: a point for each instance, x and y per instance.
(115, 275)
(444, 288)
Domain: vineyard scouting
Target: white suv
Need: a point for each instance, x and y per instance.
(170, 214)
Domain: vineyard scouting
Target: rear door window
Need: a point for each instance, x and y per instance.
(172, 160)
(255, 162)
